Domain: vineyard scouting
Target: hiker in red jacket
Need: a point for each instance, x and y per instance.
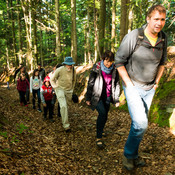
(22, 85)
(46, 98)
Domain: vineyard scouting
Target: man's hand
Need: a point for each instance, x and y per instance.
(88, 103)
(117, 104)
(44, 104)
(155, 86)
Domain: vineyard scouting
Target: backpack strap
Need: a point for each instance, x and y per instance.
(140, 38)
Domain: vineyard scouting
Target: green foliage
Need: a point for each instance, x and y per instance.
(21, 128)
(158, 112)
(4, 134)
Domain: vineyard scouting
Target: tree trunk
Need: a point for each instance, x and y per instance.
(113, 26)
(124, 18)
(130, 21)
(58, 39)
(88, 36)
(73, 33)
(102, 21)
(96, 35)
(27, 18)
(13, 35)
(85, 45)
(34, 33)
(19, 33)
(7, 36)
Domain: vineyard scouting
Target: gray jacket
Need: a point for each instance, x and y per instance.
(142, 65)
(95, 86)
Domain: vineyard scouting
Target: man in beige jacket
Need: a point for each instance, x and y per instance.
(63, 81)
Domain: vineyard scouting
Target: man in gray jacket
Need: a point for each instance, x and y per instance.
(141, 68)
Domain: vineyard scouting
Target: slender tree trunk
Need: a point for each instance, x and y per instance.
(85, 45)
(102, 21)
(27, 18)
(73, 33)
(19, 32)
(7, 36)
(88, 36)
(35, 61)
(130, 21)
(13, 35)
(96, 35)
(124, 18)
(113, 26)
(58, 39)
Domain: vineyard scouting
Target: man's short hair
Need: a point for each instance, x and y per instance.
(158, 7)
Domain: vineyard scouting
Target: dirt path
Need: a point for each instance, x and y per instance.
(30, 145)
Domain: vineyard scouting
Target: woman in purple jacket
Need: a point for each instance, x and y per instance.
(103, 89)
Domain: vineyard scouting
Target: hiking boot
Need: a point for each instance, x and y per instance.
(128, 163)
(39, 110)
(34, 107)
(67, 130)
(139, 162)
(51, 120)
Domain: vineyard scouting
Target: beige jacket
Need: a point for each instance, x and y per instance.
(62, 78)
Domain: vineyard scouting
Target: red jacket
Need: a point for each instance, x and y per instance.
(46, 92)
(22, 85)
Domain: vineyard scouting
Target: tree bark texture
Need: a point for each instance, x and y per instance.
(124, 18)
(58, 39)
(102, 21)
(113, 26)
(73, 32)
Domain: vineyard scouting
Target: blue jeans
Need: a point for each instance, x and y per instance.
(139, 102)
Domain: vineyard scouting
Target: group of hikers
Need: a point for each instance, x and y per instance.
(139, 62)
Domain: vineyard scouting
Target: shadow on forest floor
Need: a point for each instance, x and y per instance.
(30, 145)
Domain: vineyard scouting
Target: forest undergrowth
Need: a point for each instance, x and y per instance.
(30, 145)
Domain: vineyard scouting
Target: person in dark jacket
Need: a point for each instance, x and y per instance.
(22, 86)
(141, 71)
(103, 88)
(41, 72)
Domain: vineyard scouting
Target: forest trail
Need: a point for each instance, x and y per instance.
(30, 145)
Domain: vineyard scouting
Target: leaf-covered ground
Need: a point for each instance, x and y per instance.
(30, 145)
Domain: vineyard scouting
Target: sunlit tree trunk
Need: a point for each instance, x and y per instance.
(113, 26)
(102, 21)
(19, 33)
(85, 45)
(73, 32)
(124, 18)
(35, 61)
(88, 36)
(27, 18)
(130, 21)
(58, 39)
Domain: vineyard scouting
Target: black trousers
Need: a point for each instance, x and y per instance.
(22, 97)
(102, 109)
(49, 107)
